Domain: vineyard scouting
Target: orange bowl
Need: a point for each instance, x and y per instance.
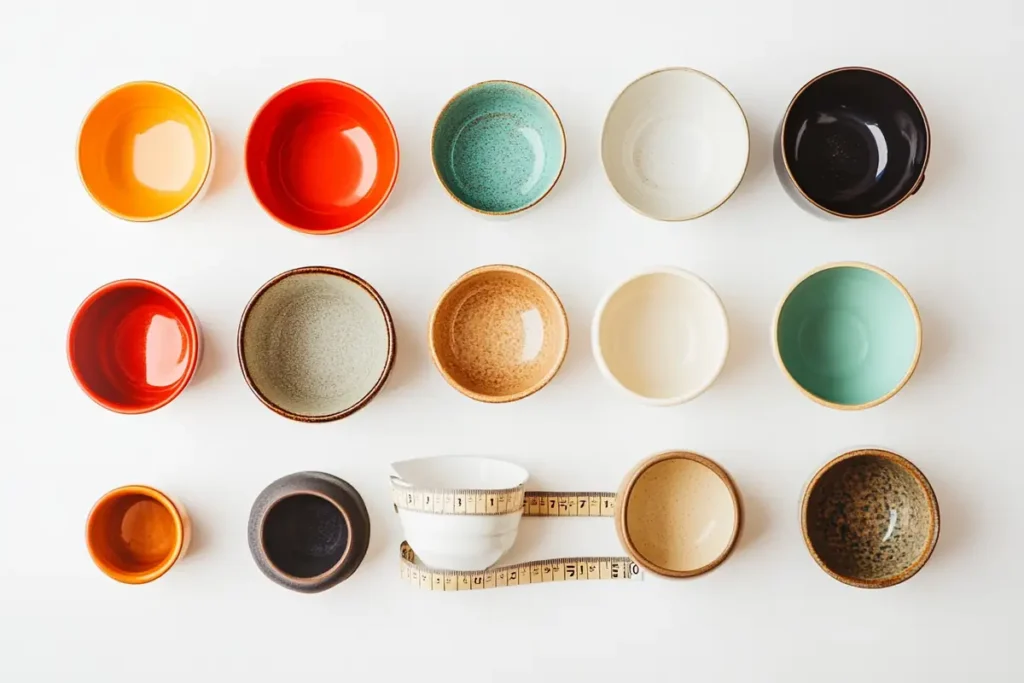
(321, 156)
(145, 151)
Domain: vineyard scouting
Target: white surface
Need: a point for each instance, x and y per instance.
(768, 613)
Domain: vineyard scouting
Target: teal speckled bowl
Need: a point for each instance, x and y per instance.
(498, 147)
(848, 335)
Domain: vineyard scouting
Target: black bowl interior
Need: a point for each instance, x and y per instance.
(856, 142)
(305, 535)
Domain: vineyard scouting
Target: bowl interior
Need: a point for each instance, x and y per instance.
(856, 142)
(499, 334)
(316, 343)
(681, 516)
(133, 346)
(663, 336)
(305, 535)
(675, 144)
(133, 534)
(498, 147)
(459, 472)
(869, 519)
(322, 156)
(144, 151)
(848, 335)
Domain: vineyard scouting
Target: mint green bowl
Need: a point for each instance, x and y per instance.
(498, 147)
(848, 335)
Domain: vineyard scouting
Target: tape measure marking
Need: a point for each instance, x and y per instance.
(532, 503)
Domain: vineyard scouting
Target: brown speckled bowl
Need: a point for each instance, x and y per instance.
(870, 518)
(498, 334)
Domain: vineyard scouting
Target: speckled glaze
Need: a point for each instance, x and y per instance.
(870, 518)
(498, 147)
(498, 334)
(316, 344)
(309, 531)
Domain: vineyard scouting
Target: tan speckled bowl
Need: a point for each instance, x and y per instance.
(498, 334)
(678, 514)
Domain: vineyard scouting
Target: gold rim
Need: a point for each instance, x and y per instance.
(437, 172)
(604, 128)
(789, 171)
(917, 323)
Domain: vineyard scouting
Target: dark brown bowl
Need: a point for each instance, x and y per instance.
(870, 518)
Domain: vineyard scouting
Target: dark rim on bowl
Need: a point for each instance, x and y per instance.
(462, 279)
(437, 172)
(209, 156)
(933, 508)
(325, 270)
(627, 490)
(781, 140)
(913, 309)
(311, 580)
(193, 329)
(391, 129)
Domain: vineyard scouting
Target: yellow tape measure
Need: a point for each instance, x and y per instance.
(532, 503)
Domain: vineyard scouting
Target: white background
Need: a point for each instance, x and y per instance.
(769, 613)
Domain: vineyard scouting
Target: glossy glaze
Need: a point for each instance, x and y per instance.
(133, 346)
(145, 151)
(854, 142)
(870, 518)
(498, 147)
(498, 334)
(135, 534)
(316, 344)
(321, 156)
(848, 335)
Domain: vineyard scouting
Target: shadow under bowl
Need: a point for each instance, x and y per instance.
(321, 156)
(870, 518)
(133, 346)
(848, 335)
(498, 147)
(498, 334)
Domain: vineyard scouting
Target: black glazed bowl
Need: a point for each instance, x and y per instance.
(854, 143)
(308, 531)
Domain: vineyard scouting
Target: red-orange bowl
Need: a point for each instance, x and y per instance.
(321, 156)
(133, 346)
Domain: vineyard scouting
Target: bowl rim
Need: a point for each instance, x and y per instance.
(192, 329)
(604, 132)
(323, 576)
(544, 287)
(913, 309)
(598, 353)
(208, 163)
(622, 503)
(463, 91)
(933, 509)
(781, 141)
(321, 270)
(345, 86)
(179, 534)
(398, 481)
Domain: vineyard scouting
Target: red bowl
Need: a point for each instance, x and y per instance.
(321, 156)
(133, 346)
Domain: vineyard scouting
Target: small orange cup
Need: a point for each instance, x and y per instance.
(135, 534)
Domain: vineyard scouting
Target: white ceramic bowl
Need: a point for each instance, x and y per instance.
(463, 542)
(675, 144)
(662, 336)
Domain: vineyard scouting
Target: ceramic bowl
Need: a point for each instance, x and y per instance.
(309, 531)
(662, 336)
(498, 334)
(321, 156)
(145, 151)
(133, 346)
(498, 147)
(135, 534)
(853, 143)
(870, 518)
(678, 514)
(848, 335)
(675, 144)
(458, 542)
(316, 344)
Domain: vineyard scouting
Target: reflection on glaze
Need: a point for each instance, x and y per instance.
(165, 351)
(368, 155)
(533, 334)
(164, 157)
